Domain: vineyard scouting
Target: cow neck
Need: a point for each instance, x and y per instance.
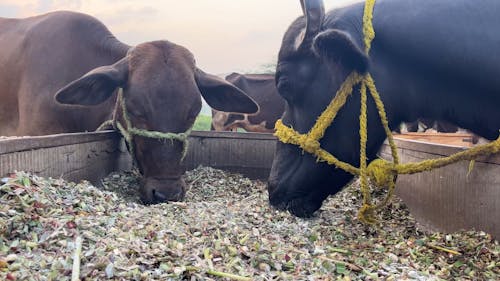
(381, 172)
(128, 131)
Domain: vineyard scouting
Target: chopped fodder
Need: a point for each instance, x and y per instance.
(224, 230)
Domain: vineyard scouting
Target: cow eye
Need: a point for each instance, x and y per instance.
(294, 76)
(305, 69)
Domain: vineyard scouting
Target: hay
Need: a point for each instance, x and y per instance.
(225, 230)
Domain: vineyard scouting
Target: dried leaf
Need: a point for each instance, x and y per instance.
(224, 229)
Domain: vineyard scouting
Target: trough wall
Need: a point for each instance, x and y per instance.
(446, 199)
(250, 154)
(74, 157)
(450, 198)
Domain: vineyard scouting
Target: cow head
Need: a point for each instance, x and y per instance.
(312, 64)
(162, 89)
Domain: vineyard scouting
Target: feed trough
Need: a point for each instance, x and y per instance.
(74, 156)
(445, 199)
(448, 199)
(457, 139)
(452, 197)
(93, 155)
(224, 228)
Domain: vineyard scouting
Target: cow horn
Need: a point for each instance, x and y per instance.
(314, 11)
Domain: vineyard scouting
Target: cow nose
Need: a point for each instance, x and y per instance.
(155, 190)
(271, 187)
(276, 195)
(159, 196)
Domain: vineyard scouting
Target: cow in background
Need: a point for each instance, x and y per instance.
(262, 89)
(426, 124)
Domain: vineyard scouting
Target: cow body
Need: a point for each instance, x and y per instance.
(430, 59)
(426, 124)
(260, 87)
(39, 56)
(60, 73)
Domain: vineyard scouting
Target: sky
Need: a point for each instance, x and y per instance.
(224, 35)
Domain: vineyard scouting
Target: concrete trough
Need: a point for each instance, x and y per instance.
(446, 199)
(74, 157)
(450, 198)
(250, 154)
(93, 155)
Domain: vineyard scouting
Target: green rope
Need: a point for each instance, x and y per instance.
(128, 131)
(105, 125)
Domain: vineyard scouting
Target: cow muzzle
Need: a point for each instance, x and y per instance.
(296, 192)
(299, 204)
(155, 191)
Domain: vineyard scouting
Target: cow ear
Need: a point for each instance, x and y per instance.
(96, 86)
(338, 47)
(222, 95)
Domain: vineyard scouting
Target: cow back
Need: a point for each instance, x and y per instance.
(40, 55)
(262, 88)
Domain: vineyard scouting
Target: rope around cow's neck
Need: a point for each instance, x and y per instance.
(128, 131)
(381, 172)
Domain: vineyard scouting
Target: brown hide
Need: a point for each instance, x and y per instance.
(60, 72)
(260, 87)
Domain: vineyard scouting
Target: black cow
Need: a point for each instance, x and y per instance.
(444, 51)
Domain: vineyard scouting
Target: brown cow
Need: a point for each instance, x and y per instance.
(262, 89)
(75, 56)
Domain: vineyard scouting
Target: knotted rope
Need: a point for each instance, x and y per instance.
(381, 173)
(128, 131)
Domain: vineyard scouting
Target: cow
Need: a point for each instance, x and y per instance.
(426, 124)
(61, 73)
(260, 87)
(435, 59)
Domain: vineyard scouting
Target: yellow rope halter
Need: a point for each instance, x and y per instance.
(128, 131)
(380, 172)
